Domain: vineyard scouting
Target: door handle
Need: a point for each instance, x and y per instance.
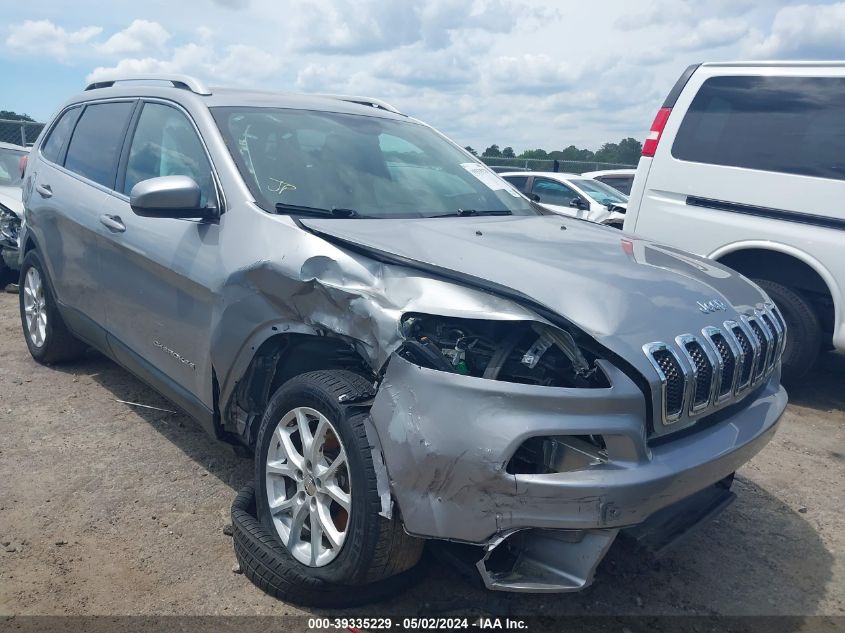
(45, 191)
(113, 223)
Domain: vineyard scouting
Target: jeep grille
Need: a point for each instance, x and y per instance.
(699, 373)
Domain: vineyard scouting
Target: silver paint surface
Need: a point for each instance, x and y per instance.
(217, 291)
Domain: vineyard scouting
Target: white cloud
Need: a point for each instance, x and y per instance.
(539, 74)
(42, 37)
(365, 26)
(713, 33)
(238, 64)
(805, 31)
(139, 37)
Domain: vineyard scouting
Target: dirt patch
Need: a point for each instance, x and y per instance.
(110, 509)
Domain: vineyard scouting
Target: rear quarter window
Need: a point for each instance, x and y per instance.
(790, 125)
(58, 135)
(97, 140)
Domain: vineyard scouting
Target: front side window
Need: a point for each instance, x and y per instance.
(792, 125)
(96, 142)
(375, 166)
(553, 192)
(166, 144)
(59, 135)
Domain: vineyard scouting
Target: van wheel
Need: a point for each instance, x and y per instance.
(47, 337)
(804, 333)
(316, 492)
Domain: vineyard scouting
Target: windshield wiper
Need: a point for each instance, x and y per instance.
(317, 212)
(472, 212)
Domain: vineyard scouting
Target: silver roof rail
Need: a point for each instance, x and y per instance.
(183, 82)
(367, 101)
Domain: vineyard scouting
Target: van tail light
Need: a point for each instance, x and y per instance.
(653, 138)
(22, 164)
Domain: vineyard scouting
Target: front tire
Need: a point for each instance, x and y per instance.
(803, 330)
(316, 492)
(47, 337)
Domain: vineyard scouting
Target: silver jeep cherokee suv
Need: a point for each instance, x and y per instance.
(412, 348)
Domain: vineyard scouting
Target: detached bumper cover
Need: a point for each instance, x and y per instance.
(447, 439)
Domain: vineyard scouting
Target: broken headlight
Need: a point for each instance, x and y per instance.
(512, 351)
(10, 226)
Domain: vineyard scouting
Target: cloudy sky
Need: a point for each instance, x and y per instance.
(523, 73)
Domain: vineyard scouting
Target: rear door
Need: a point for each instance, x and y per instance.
(750, 154)
(77, 167)
(162, 272)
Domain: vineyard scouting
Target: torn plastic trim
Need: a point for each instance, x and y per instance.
(544, 561)
(504, 292)
(382, 478)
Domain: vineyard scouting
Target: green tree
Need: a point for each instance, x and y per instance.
(534, 153)
(508, 153)
(14, 116)
(493, 151)
(471, 151)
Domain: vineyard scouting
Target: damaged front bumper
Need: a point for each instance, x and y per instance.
(447, 440)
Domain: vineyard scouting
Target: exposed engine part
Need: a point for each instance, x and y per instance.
(512, 351)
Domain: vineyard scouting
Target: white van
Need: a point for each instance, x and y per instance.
(745, 163)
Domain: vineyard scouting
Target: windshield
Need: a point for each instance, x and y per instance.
(298, 161)
(10, 167)
(600, 192)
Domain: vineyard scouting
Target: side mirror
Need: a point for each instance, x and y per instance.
(534, 197)
(170, 197)
(577, 203)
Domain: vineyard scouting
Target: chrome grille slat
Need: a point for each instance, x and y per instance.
(701, 386)
(701, 372)
(775, 344)
(764, 341)
(727, 362)
(671, 377)
(749, 355)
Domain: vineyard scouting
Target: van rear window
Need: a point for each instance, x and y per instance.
(791, 125)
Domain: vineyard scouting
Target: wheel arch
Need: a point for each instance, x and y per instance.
(805, 271)
(270, 357)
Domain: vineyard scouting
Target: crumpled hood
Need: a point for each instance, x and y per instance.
(623, 291)
(11, 198)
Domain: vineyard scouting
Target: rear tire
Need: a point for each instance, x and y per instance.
(47, 337)
(804, 333)
(372, 548)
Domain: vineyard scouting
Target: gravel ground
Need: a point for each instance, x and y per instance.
(111, 509)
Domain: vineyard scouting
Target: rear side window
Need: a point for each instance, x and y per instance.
(96, 142)
(791, 125)
(58, 135)
(520, 182)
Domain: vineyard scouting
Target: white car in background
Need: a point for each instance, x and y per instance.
(11, 206)
(572, 195)
(620, 179)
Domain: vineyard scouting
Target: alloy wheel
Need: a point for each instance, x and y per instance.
(308, 486)
(35, 307)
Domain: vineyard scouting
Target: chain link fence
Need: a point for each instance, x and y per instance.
(19, 132)
(537, 164)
